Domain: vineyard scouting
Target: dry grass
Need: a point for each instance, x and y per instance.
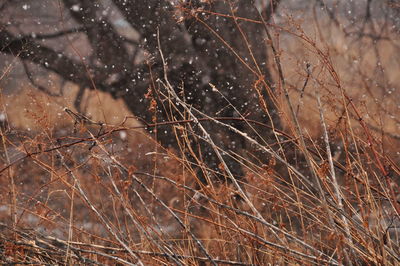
(75, 192)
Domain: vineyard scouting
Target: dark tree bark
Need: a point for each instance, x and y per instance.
(207, 48)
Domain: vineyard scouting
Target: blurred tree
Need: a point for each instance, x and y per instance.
(203, 42)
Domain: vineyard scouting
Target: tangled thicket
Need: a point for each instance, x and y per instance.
(262, 132)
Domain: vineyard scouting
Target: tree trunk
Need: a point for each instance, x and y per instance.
(209, 46)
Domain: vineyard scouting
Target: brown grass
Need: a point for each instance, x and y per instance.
(78, 193)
